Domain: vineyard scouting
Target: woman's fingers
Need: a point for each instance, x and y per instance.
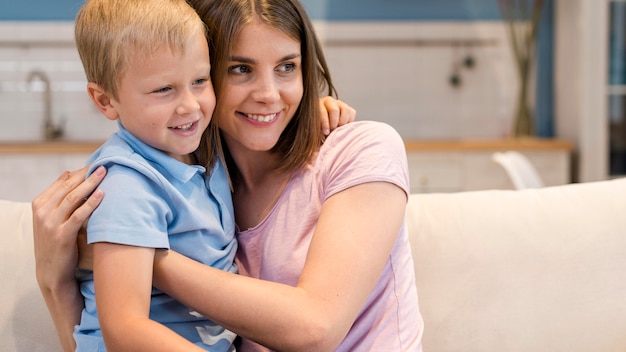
(82, 199)
(50, 199)
(61, 209)
(64, 201)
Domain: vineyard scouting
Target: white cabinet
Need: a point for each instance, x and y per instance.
(26, 175)
(26, 169)
(434, 166)
(468, 166)
(434, 171)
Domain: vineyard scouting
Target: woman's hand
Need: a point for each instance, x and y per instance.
(58, 214)
(335, 113)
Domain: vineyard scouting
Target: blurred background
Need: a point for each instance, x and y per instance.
(442, 72)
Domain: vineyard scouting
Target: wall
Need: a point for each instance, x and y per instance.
(48, 47)
(407, 82)
(392, 60)
(402, 10)
(358, 10)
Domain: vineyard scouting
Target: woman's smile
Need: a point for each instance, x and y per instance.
(264, 118)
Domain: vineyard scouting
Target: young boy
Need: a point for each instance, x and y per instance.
(147, 63)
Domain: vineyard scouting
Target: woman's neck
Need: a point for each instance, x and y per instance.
(257, 185)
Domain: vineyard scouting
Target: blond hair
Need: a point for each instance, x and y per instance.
(109, 33)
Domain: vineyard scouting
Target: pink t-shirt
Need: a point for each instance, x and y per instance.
(276, 249)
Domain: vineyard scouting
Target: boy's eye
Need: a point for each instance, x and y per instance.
(200, 81)
(162, 90)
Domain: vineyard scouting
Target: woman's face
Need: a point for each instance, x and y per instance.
(262, 89)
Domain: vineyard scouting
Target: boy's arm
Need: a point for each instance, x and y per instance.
(123, 281)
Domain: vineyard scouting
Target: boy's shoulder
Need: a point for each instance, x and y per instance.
(118, 152)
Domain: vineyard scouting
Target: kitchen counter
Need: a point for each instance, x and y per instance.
(67, 147)
(468, 165)
(49, 147)
(26, 168)
(520, 144)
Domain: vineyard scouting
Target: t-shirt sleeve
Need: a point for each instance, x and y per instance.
(362, 152)
(132, 212)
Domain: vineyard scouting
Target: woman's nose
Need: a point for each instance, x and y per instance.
(266, 89)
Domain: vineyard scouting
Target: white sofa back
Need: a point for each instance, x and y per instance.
(25, 325)
(533, 270)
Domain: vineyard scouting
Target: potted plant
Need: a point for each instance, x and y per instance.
(522, 17)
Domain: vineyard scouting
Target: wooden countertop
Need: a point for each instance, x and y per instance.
(489, 145)
(52, 147)
(67, 147)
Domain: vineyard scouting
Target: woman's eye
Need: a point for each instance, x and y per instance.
(239, 69)
(286, 68)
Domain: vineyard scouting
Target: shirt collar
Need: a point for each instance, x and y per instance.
(177, 169)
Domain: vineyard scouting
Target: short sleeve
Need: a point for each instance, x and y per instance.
(362, 152)
(132, 212)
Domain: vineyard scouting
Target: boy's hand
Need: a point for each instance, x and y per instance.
(335, 113)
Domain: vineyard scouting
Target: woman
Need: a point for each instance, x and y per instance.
(324, 252)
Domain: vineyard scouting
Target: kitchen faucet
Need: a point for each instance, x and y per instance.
(52, 131)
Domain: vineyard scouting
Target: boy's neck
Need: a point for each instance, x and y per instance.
(189, 159)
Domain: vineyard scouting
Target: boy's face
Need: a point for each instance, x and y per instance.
(167, 99)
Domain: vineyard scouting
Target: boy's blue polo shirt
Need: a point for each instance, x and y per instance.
(153, 200)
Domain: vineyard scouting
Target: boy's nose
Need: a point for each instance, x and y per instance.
(188, 103)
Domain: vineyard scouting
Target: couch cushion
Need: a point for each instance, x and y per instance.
(25, 324)
(532, 270)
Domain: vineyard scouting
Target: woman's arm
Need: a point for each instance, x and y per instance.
(353, 239)
(123, 282)
(60, 211)
(58, 214)
(335, 113)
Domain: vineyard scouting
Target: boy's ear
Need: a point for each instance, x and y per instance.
(102, 101)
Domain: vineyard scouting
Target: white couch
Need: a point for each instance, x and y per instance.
(532, 270)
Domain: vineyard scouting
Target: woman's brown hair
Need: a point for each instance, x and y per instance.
(225, 19)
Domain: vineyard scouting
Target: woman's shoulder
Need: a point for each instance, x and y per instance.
(363, 151)
(362, 142)
(365, 134)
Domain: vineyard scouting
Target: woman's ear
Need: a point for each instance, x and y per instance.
(102, 101)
